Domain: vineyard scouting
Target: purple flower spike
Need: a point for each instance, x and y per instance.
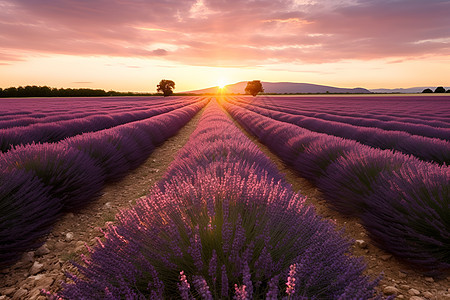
(184, 287)
(202, 287)
(290, 289)
(240, 292)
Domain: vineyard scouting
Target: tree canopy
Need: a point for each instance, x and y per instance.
(254, 87)
(166, 86)
(45, 91)
(439, 89)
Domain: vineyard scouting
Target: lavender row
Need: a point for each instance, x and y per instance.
(402, 201)
(393, 124)
(428, 149)
(71, 111)
(56, 131)
(17, 121)
(282, 104)
(38, 182)
(12, 107)
(221, 224)
(426, 108)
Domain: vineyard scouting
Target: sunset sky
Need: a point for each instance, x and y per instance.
(129, 45)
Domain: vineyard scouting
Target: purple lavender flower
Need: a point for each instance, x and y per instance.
(202, 287)
(247, 280)
(212, 269)
(195, 248)
(240, 292)
(272, 294)
(184, 286)
(290, 284)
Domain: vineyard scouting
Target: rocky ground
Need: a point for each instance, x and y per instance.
(45, 267)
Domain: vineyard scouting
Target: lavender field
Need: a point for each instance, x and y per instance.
(223, 222)
(61, 159)
(397, 182)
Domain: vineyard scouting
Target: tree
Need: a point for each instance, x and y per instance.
(166, 87)
(254, 87)
(439, 89)
(427, 91)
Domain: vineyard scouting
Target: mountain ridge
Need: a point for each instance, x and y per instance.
(280, 88)
(303, 88)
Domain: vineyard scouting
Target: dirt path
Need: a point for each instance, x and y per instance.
(399, 279)
(45, 268)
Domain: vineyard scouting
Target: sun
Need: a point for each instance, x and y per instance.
(221, 83)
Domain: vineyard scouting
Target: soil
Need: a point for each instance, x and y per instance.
(45, 268)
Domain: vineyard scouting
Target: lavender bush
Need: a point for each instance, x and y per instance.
(351, 179)
(319, 154)
(103, 148)
(27, 213)
(418, 193)
(72, 175)
(222, 223)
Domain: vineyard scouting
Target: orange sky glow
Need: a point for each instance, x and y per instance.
(131, 45)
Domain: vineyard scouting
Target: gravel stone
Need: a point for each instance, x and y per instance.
(413, 292)
(361, 244)
(36, 268)
(20, 294)
(390, 290)
(69, 237)
(42, 250)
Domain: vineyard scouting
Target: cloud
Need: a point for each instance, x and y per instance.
(228, 32)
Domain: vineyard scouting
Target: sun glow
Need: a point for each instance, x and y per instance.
(221, 84)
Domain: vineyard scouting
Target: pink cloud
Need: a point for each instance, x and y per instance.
(227, 32)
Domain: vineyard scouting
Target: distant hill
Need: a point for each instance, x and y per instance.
(281, 88)
(411, 90)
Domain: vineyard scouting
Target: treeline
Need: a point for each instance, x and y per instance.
(439, 89)
(45, 91)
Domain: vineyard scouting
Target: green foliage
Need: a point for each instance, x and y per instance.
(45, 91)
(254, 87)
(166, 86)
(439, 89)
